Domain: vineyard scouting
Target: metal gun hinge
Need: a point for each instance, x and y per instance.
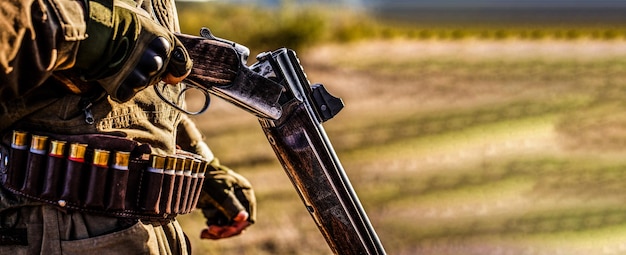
(327, 105)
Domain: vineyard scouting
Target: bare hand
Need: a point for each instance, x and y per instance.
(240, 223)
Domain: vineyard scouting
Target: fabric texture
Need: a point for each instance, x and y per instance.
(226, 194)
(40, 41)
(38, 47)
(136, 52)
(53, 232)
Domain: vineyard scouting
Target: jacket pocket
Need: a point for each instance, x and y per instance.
(71, 16)
(133, 240)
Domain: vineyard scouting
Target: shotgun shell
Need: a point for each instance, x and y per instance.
(170, 164)
(20, 140)
(77, 152)
(38, 144)
(198, 166)
(101, 158)
(205, 166)
(189, 165)
(122, 160)
(57, 148)
(180, 165)
(157, 164)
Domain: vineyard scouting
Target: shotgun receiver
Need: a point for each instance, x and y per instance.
(291, 113)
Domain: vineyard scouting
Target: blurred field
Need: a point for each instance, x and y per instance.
(454, 147)
(458, 139)
(303, 26)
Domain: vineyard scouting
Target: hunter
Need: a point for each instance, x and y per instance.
(92, 161)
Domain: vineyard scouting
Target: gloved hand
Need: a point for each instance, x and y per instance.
(228, 202)
(126, 50)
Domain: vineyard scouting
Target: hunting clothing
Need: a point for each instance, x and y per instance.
(62, 87)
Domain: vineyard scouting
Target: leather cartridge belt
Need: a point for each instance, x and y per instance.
(102, 174)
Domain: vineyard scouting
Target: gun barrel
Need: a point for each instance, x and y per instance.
(309, 159)
(312, 165)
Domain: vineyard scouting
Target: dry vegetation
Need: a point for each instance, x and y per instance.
(454, 147)
(458, 141)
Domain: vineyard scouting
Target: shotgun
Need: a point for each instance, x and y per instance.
(290, 111)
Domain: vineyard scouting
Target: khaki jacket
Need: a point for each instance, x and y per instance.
(38, 41)
(33, 98)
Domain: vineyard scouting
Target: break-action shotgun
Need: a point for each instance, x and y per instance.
(291, 112)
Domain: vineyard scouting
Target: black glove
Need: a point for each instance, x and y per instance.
(226, 193)
(126, 50)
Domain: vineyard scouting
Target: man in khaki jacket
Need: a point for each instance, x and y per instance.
(87, 145)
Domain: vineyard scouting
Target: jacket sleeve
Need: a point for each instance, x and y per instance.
(190, 139)
(225, 192)
(37, 37)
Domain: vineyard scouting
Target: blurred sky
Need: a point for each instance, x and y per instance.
(449, 3)
(500, 3)
(528, 11)
(563, 11)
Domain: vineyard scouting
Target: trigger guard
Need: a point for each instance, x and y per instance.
(207, 100)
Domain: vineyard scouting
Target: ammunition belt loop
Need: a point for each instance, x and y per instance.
(101, 174)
